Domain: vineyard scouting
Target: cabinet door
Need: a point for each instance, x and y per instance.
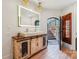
(33, 46)
(25, 48)
(40, 43)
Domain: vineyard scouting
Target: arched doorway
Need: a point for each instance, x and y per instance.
(53, 30)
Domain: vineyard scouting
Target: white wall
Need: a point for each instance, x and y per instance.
(47, 14)
(10, 25)
(72, 9)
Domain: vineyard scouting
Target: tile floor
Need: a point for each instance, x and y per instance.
(53, 42)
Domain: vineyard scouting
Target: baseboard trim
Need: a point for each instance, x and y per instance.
(7, 57)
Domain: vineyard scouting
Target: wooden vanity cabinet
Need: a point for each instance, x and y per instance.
(25, 47)
(44, 41)
(40, 42)
(34, 46)
(21, 49)
(16, 50)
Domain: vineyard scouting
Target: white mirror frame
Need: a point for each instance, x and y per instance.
(19, 16)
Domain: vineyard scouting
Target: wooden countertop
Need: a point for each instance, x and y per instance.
(28, 37)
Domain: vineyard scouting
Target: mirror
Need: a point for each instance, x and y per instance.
(28, 17)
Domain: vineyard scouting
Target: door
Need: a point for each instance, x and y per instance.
(67, 28)
(60, 43)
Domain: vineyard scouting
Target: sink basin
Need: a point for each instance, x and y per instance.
(31, 33)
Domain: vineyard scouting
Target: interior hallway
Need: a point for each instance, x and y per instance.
(52, 52)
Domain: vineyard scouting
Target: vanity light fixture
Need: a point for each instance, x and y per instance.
(39, 7)
(25, 2)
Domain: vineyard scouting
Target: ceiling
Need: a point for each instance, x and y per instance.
(54, 4)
